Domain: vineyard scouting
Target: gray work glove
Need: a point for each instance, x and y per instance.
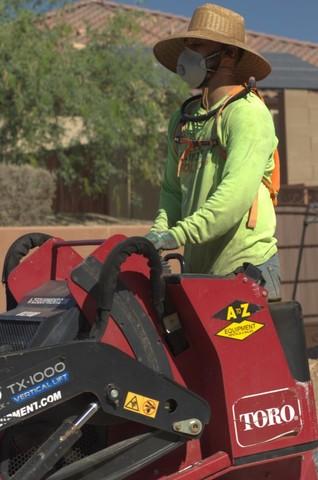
(162, 240)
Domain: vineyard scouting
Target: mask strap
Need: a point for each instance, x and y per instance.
(213, 55)
(205, 101)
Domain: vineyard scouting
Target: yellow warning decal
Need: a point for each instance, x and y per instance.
(240, 330)
(142, 405)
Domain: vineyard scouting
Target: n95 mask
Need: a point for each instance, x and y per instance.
(192, 67)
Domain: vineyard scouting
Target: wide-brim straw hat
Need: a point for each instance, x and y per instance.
(212, 22)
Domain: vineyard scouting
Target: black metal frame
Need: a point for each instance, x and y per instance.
(94, 372)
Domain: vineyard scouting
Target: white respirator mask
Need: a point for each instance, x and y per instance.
(192, 66)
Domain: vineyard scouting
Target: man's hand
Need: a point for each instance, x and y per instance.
(162, 240)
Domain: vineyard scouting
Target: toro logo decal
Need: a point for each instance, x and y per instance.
(266, 416)
(239, 313)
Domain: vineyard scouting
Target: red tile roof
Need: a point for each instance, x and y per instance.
(156, 25)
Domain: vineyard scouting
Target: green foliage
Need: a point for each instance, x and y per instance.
(26, 194)
(113, 91)
(32, 85)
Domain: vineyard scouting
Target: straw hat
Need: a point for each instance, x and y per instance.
(212, 22)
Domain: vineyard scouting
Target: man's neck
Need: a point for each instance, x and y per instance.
(214, 95)
(220, 85)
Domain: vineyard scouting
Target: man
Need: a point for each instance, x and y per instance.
(216, 193)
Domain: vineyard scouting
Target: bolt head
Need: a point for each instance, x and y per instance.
(195, 427)
(114, 394)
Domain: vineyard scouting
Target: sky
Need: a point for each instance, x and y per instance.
(289, 18)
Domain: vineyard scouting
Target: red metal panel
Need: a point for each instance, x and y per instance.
(37, 268)
(242, 372)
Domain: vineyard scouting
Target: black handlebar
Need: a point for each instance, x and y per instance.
(19, 249)
(110, 271)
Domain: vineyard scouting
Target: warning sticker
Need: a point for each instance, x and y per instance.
(142, 405)
(240, 330)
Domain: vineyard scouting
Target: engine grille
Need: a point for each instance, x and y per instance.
(19, 459)
(17, 334)
(16, 449)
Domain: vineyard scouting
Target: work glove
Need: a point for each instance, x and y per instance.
(162, 240)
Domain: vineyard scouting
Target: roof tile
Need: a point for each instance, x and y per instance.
(157, 25)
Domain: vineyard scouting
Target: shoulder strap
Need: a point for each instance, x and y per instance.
(179, 125)
(273, 184)
(237, 92)
(176, 134)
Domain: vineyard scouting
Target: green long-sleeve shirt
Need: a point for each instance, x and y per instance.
(206, 207)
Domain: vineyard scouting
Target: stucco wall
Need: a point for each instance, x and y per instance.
(301, 117)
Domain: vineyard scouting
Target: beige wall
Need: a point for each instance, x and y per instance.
(301, 122)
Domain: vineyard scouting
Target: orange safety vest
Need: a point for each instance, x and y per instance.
(273, 184)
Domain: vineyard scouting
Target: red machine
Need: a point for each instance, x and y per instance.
(110, 369)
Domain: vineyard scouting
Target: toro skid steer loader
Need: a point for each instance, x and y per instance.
(111, 369)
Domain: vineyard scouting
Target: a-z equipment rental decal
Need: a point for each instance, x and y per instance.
(31, 408)
(239, 315)
(142, 405)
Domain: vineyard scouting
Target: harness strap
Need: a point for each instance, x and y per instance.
(237, 91)
(191, 144)
(275, 177)
(272, 185)
(273, 194)
(252, 214)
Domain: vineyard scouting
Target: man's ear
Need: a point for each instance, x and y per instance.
(234, 53)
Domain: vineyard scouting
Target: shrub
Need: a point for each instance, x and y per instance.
(26, 194)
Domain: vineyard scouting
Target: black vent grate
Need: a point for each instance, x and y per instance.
(18, 460)
(18, 449)
(17, 334)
